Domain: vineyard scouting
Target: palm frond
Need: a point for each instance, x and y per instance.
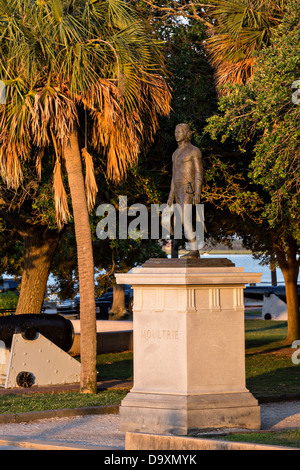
(90, 181)
(59, 57)
(60, 197)
(241, 27)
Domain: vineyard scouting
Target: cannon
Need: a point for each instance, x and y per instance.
(33, 351)
(56, 328)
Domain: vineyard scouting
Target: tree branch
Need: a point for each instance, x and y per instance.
(182, 10)
(18, 223)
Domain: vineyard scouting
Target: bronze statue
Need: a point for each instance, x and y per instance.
(187, 179)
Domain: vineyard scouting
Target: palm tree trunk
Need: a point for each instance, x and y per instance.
(88, 335)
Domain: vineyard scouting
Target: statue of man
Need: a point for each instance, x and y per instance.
(187, 180)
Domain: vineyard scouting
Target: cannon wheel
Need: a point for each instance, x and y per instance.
(25, 379)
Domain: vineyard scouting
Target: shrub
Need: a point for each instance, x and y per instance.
(8, 300)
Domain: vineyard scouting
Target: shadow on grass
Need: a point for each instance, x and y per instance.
(269, 374)
(259, 347)
(262, 336)
(267, 327)
(278, 382)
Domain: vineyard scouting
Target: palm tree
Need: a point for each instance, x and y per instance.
(239, 29)
(79, 75)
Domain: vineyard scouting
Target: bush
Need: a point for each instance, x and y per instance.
(8, 300)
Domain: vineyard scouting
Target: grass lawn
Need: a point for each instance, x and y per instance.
(109, 366)
(269, 366)
(278, 438)
(43, 401)
(115, 366)
(263, 335)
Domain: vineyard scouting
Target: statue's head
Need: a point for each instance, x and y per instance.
(183, 133)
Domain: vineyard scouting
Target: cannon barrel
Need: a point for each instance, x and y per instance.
(56, 328)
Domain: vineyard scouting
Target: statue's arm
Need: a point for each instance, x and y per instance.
(171, 194)
(198, 177)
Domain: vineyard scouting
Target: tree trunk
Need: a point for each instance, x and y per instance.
(292, 300)
(40, 246)
(118, 308)
(88, 334)
(273, 277)
(289, 265)
(273, 271)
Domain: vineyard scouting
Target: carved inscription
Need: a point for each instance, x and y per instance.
(160, 334)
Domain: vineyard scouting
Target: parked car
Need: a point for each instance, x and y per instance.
(108, 297)
(8, 285)
(103, 303)
(68, 304)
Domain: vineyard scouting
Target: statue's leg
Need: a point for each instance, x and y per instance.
(189, 231)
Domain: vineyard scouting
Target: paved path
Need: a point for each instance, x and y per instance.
(102, 431)
(280, 415)
(95, 431)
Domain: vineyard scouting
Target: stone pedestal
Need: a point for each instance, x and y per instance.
(189, 351)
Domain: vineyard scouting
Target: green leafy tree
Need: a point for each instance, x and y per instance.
(263, 121)
(78, 72)
(29, 234)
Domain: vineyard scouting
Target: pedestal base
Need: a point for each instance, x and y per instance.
(183, 414)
